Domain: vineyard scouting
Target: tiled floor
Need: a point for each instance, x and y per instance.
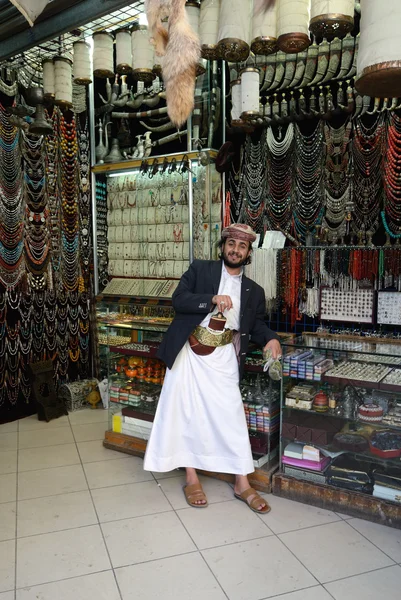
(79, 522)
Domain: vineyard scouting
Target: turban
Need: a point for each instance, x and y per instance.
(239, 231)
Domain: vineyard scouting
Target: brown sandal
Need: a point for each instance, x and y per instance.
(194, 493)
(255, 502)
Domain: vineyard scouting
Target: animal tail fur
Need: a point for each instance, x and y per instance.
(179, 64)
(156, 10)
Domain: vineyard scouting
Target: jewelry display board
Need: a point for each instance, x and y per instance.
(141, 287)
(148, 218)
(389, 308)
(347, 305)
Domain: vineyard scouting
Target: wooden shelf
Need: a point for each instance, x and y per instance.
(261, 479)
(129, 165)
(355, 504)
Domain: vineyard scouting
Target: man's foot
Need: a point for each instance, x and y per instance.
(198, 497)
(195, 495)
(243, 491)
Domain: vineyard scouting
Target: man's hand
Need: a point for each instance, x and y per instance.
(274, 347)
(222, 302)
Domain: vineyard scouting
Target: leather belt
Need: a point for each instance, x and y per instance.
(214, 340)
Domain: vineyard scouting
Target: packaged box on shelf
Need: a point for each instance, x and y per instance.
(117, 423)
(263, 460)
(139, 429)
(311, 364)
(304, 474)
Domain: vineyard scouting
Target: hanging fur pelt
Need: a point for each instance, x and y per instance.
(180, 48)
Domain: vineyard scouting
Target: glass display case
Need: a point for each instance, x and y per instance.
(130, 331)
(154, 216)
(341, 417)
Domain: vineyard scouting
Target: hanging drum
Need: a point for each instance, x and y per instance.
(142, 54)
(250, 93)
(236, 103)
(48, 79)
(331, 18)
(82, 63)
(293, 25)
(103, 56)
(63, 82)
(209, 28)
(234, 29)
(264, 32)
(379, 56)
(193, 14)
(123, 52)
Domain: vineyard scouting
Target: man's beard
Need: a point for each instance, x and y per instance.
(234, 265)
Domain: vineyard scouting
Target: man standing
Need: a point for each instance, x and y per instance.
(200, 421)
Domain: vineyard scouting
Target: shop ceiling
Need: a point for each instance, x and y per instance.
(58, 27)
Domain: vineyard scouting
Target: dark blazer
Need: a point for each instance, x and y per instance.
(192, 301)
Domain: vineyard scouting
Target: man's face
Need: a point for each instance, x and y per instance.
(235, 253)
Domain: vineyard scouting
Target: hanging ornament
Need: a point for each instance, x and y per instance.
(250, 93)
(103, 58)
(82, 63)
(48, 78)
(142, 54)
(63, 82)
(379, 56)
(331, 18)
(234, 30)
(209, 28)
(293, 25)
(123, 52)
(264, 32)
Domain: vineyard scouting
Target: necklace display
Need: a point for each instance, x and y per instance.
(12, 204)
(280, 179)
(308, 183)
(44, 254)
(36, 238)
(367, 160)
(391, 214)
(255, 173)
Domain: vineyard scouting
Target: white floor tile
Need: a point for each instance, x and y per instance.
(146, 538)
(9, 427)
(7, 596)
(52, 437)
(95, 451)
(99, 586)
(257, 569)
(8, 514)
(167, 474)
(32, 423)
(108, 473)
(125, 501)
(55, 513)
(47, 457)
(334, 551)
(49, 482)
(177, 578)
(88, 415)
(377, 585)
(8, 461)
(8, 441)
(53, 556)
(7, 566)
(287, 515)
(215, 490)
(223, 523)
(89, 432)
(315, 593)
(385, 538)
(8, 487)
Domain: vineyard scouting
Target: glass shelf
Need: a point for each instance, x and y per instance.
(324, 344)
